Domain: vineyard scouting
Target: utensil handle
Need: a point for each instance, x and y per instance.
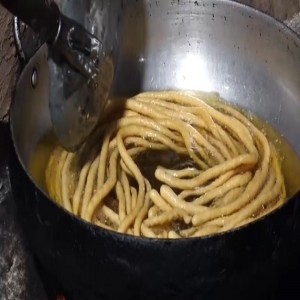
(42, 17)
(68, 38)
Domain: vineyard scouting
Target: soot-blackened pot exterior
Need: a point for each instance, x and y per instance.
(91, 263)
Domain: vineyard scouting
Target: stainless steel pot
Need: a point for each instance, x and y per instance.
(251, 60)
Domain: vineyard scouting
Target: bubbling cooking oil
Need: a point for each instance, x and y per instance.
(290, 161)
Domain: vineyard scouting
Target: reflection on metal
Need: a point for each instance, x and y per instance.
(192, 73)
(34, 78)
(17, 35)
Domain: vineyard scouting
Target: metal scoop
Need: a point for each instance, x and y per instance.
(84, 71)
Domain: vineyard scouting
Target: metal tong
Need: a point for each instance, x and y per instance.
(68, 42)
(76, 45)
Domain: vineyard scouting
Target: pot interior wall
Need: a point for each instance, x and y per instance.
(222, 46)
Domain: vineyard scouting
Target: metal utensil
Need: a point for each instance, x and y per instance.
(85, 69)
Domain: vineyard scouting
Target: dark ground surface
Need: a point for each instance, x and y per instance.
(19, 279)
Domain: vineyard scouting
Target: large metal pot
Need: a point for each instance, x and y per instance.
(251, 60)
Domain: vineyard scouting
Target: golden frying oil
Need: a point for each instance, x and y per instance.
(40, 159)
(290, 162)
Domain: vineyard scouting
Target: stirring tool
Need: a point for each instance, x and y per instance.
(85, 71)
